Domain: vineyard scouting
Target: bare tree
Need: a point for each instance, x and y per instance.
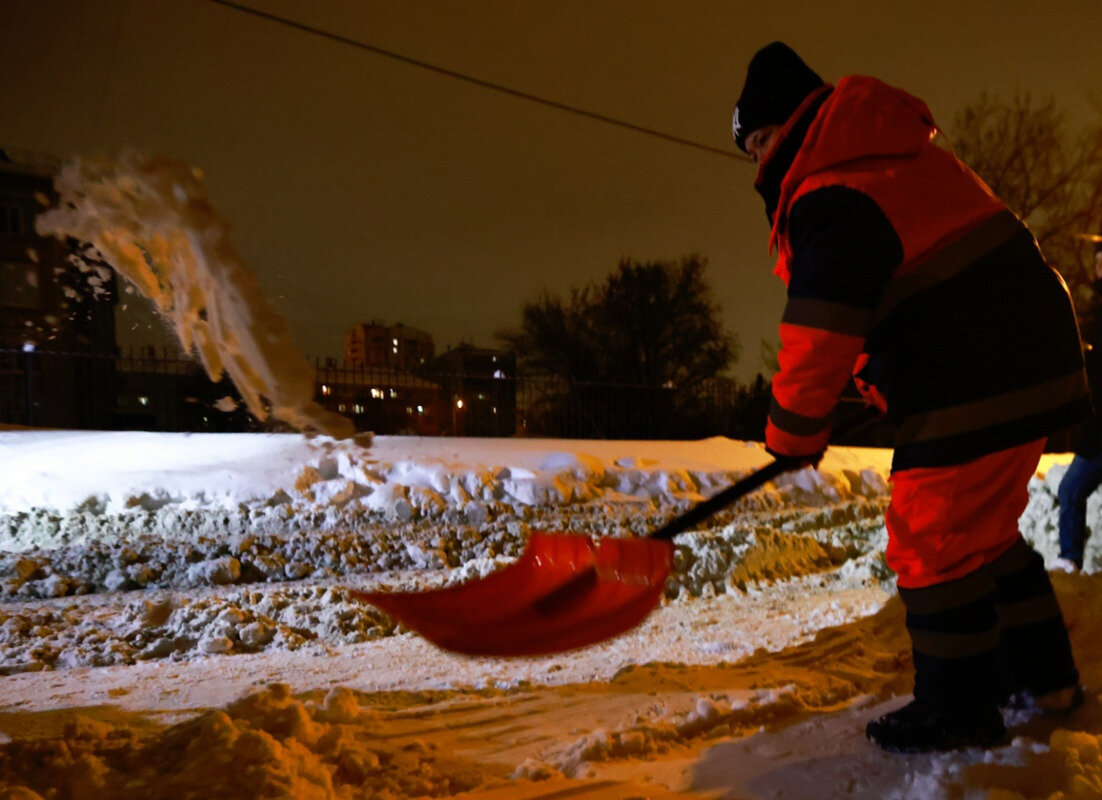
(650, 324)
(635, 356)
(1047, 173)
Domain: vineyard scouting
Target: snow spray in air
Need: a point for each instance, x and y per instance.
(151, 219)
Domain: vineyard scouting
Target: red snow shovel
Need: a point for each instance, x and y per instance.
(565, 591)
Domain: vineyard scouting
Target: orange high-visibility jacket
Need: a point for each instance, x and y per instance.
(904, 268)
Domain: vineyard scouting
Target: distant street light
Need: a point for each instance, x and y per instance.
(455, 416)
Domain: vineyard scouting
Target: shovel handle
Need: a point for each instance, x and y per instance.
(743, 487)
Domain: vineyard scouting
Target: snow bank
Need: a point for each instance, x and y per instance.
(136, 566)
(104, 513)
(71, 488)
(279, 747)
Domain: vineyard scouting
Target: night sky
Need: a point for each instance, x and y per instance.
(362, 188)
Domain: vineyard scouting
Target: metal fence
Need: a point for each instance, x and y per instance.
(160, 390)
(163, 391)
(141, 390)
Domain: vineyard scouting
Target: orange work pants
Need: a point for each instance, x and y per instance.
(946, 522)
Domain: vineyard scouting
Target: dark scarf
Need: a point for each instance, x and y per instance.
(773, 171)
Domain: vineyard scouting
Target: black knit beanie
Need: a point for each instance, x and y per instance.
(777, 81)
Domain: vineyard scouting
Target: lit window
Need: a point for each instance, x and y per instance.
(143, 400)
(459, 404)
(326, 390)
(420, 409)
(393, 392)
(377, 394)
(499, 374)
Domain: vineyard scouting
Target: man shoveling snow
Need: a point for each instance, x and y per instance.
(906, 272)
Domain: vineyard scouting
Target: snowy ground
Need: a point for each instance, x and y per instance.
(175, 622)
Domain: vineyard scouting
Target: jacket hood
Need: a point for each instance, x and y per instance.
(863, 118)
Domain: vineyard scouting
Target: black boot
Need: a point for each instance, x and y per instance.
(921, 728)
(1037, 663)
(955, 640)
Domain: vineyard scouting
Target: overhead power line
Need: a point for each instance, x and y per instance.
(497, 87)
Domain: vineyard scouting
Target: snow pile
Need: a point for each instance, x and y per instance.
(1070, 768)
(39, 638)
(744, 556)
(279, 747)
(78, 518)
(109, 513)
(152, 221)
(164, 573)
(77, 488)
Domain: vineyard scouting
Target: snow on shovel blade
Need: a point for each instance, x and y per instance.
(564, 592)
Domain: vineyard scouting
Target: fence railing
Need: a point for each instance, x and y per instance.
(164, 391)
